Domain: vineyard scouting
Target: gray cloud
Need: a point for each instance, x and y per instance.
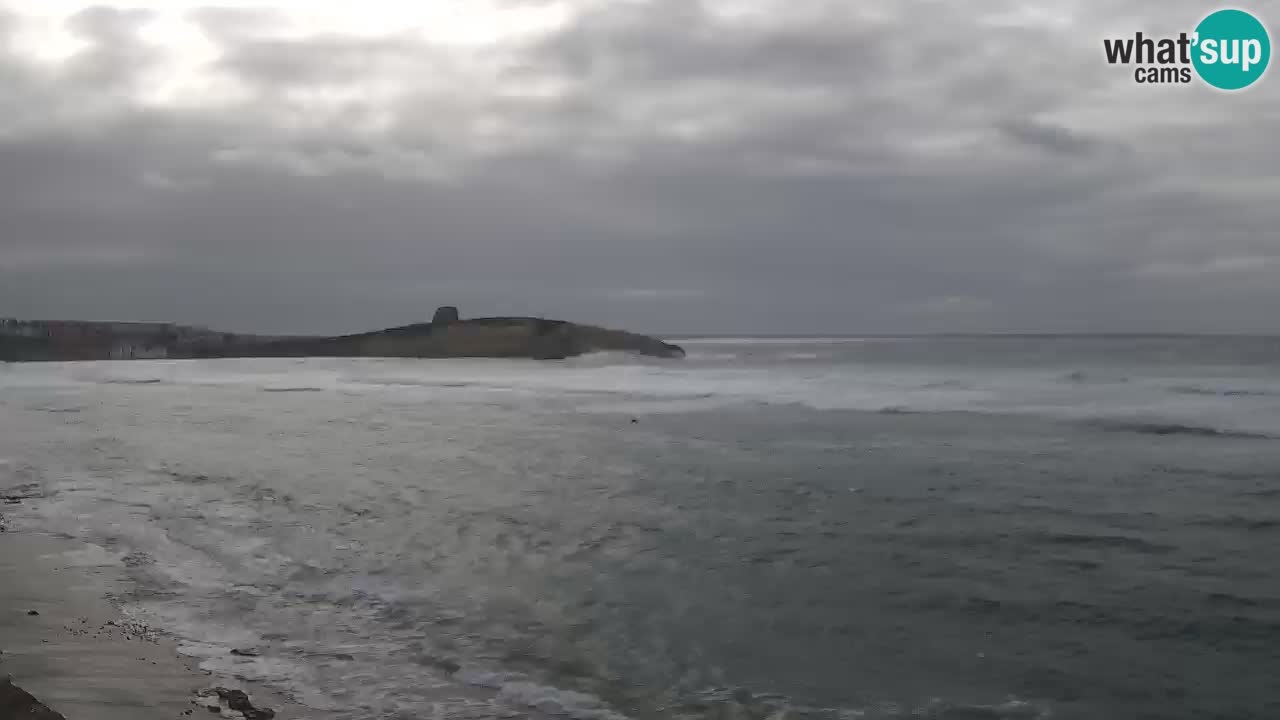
(1051, 138)
(878, 167)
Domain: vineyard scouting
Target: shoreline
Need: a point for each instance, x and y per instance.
(65, 646)
(68, 652)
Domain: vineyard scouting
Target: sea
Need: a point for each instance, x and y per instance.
(845, 528)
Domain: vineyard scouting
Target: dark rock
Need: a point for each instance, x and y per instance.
(237, 700)
(244, 652)
(213, 708)
(445, 314)
(33, 612)
(17, 703)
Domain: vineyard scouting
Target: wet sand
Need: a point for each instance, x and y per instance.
(66, 645)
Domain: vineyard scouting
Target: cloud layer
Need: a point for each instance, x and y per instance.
(672, 166)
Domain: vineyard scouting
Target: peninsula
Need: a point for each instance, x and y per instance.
(446, 336)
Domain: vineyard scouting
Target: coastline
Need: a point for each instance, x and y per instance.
(446, 336)
(68, 653)
(79, 656)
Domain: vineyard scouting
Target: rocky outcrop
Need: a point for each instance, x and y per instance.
(18, 703)
(232, 702)
(513, 337)
(447, 335)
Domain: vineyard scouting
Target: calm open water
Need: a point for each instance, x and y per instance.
(827, 528)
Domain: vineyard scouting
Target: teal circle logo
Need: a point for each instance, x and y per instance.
(1232, 49)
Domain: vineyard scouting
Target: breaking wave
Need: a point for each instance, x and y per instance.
(1221, 392)
(771, 371)
(1081, 376)
(1161, 428)
(728, 702)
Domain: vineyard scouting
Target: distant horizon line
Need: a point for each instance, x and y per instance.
(1023, 334)
(752, 335)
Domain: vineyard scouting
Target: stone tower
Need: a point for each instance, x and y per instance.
(445, 314)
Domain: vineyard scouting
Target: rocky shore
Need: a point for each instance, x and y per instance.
(18, 703)
(67, 654)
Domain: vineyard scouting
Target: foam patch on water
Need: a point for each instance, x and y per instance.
(1009, 710)
(793, 372)
(742, 704)
(516, 689)
(554, 701)
(749, 341)
(705, 356)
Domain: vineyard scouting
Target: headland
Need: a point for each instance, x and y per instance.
(446, 336)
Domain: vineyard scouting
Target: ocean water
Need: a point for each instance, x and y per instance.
(834, 528)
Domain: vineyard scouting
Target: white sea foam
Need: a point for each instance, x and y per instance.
(748, 341)
(555, 701)
(603, 381)
(244, 532)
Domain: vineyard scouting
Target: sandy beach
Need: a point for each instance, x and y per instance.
(68, 653)
(63, 642)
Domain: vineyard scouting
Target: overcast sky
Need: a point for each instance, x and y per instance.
(674, 166)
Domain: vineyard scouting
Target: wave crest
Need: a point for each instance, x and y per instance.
(1220, 392)
(1161, 428)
